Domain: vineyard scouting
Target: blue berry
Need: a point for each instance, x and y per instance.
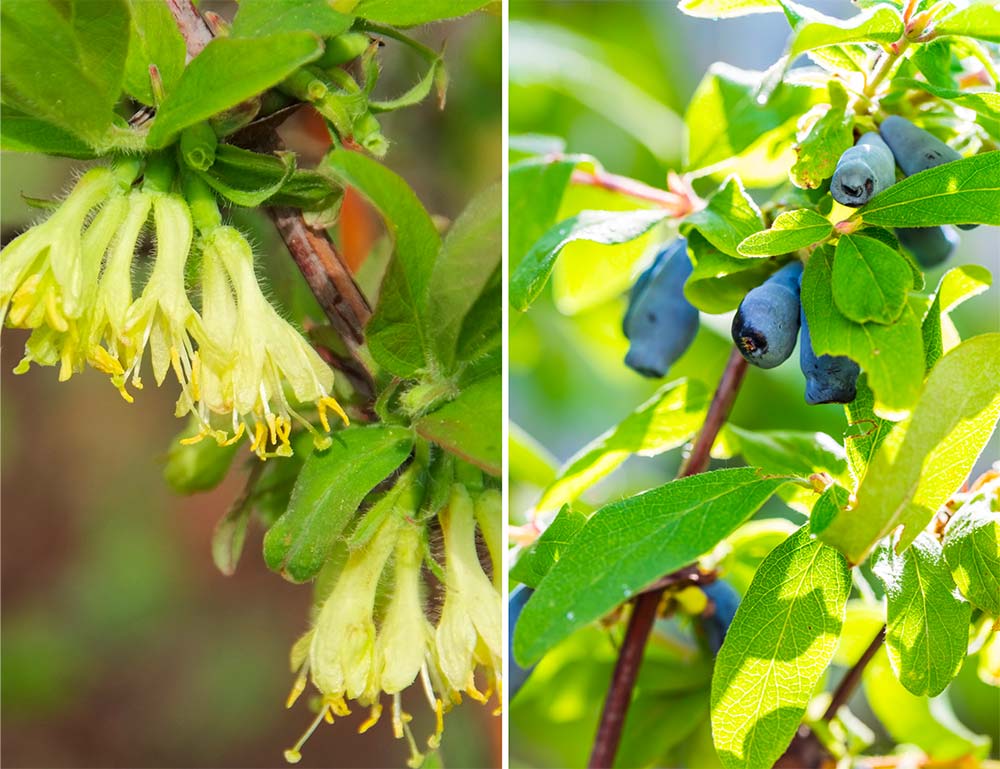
(915, 150)
(660, 322)
(863, 171)
(767, 320)
(930, 246)
(829, 378)
(516, 674)
(725, 600)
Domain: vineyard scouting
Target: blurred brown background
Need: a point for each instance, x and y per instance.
(122, 646)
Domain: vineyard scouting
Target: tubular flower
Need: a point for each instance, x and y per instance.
(251, 354)
(359, 650)
(63, 339)
(469, 629)
(163, 317)
(41, 271)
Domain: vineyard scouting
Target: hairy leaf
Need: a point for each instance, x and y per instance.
(469, 426)
(327, 493)
(826, 141)
(627, 545)
(399, 334)
(469, 257)
(911, 476)
(781, 640)
(927, 624)
(719, 282)
(63, 61)
(870, 280)
(257, 18)
(892, 355)
(227, 72)
(966, 191)
(605, 227)
(972, 548)
(20, 132)
(662, 423)
(411, 14)
(957, 285)
(155, 40)
(791, 231)
(536, 561)
(730, 217)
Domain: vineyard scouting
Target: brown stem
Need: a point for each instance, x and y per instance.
(321, 265)
(627, 186)
(847, 686)
(644, 610)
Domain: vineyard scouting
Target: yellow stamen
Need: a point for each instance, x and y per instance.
(194, 438)
(239, 434)
(376, 713)
(297, 688)
(293, 755)
(327, 402)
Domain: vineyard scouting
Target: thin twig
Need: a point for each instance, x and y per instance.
(615, 183)
(847, 686)
(644, 610)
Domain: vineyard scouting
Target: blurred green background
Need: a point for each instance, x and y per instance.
(612, 79)
(122, 645)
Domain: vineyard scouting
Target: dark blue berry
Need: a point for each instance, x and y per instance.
(915, 150)
(863, 171)
(930, 246)
(829, 378)
(725, 601)
(767, 321)
(517, 675)
(660, 322)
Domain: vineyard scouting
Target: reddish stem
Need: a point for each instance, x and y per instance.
(644, 610)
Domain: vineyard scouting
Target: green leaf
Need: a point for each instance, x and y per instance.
(826, 141)
(966, 191)
(469, 258)
(723, 118)
(605, 227)
(20, 132)
(535, 191)
(781, 640)
(627, 545)
(535, 562)
(63, 61)
(957, 285)
(399, 335)
(788, 452)
(248, 178)
(972, 548)
(256, 18)
(665, 421)
(876, 25)
(985, 103)
(719, 282)
(892, 355)
(727, 9)
(730, 217)
(872, 430)
(470, 426)
(528, 460)
(913, 475)
(154, 39)
(749, 545)
(327, 493)
(981, 19)
(930, 724)
(834, 499)
(227, 72)
(791, 231)
(411, 14)
(927, 624)
(870, 280)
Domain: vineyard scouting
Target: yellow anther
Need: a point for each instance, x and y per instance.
(376, 713)
(190, 441)
(297, 688)
(239, 434)
(327, 402)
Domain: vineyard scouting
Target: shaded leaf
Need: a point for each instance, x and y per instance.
(628, 544)
(535, 562)
(870, 280)
(972, 548)
(469, 426)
